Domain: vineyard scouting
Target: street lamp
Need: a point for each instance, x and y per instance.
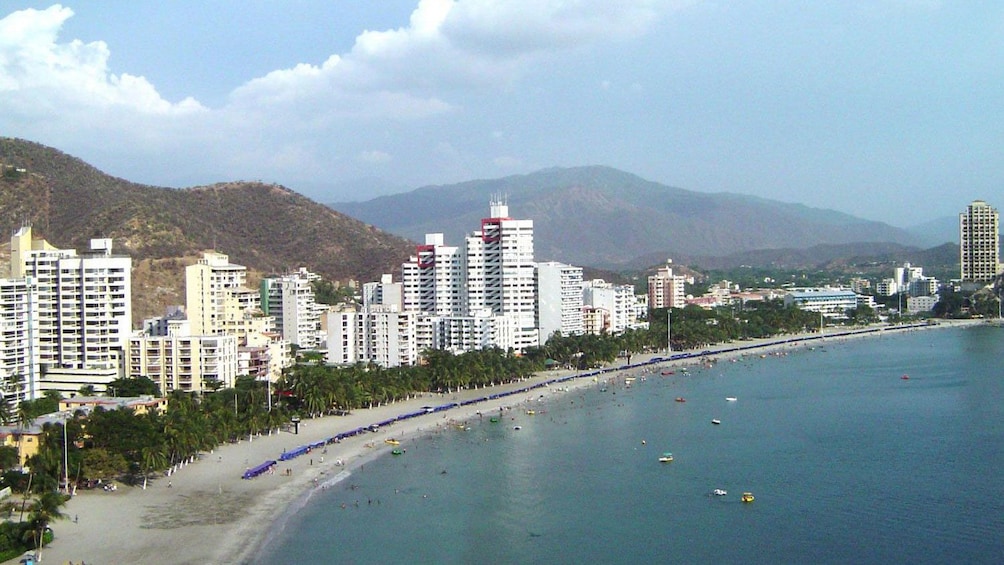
(669, 330)
(66, 457)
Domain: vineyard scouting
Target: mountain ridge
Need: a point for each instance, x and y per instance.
(617, 217)
(267, 227)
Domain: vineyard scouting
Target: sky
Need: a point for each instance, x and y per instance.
(890, 110)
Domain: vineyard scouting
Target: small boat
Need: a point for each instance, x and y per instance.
(530, 412)
(666, 457)
(493, 419)
(716, 421)
(905, 377)
(731, 399)
(719, 492)
(517, 427)
(397, 452)
(392, 442)
(748, 497)
(666, 373)
(680, 399)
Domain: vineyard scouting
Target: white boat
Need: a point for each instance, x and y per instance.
(719, 492)
(716, 421)
(731, 398)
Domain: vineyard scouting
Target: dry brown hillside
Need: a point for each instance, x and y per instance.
(266, 227)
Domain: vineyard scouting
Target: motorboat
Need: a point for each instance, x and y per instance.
(666, 457)
(905, 377)
(391, 441)
(397, 452)
(680, 399)
(731, 399)
(719, 492)
(748, 497)
(517, 427)
(716, 421)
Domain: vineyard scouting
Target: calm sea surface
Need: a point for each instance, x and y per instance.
(849, 463)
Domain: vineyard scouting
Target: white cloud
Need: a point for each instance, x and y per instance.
(403, 83)
(38, 74)
(447, 45)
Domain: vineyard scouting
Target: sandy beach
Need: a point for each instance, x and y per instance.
(206, 513)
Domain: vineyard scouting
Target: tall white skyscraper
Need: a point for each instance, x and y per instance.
(19, 340)
(559, 299)
(84, 301)
(979, 228)
(433, 279)
(500, 272)
(290, 300)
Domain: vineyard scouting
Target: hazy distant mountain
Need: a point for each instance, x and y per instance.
(937, 231)
(266, 227)
(862, 257)
(604, 217)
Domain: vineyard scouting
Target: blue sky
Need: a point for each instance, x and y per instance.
(890, 110)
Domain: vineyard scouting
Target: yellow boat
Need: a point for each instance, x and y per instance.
(748, 497)
(391, 442)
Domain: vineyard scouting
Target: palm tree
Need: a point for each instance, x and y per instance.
(47, 508)
(153, 458)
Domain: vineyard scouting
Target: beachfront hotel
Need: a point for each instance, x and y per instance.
(84, 311)
(500, 273)
(979, 230)
(559, 299)
(19, 339)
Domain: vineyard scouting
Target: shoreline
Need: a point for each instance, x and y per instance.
(205, 511)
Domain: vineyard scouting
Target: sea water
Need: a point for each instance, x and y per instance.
(849, 463)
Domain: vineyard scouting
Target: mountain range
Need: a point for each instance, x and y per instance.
(603, 217)
(595, 217)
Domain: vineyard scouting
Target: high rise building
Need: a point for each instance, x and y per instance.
(220, 303)
(979, 228)
(559, 299)
(432, 279)
(84, 302)
(290, 300)
(501, 272)
(666, 290)
(19, 369)
(208, 285)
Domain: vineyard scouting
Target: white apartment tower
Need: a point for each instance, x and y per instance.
(84, 302)
(19, 368)
(979, 228)
(433, 279)
(500, 272)
(559, 299)
(290, 300)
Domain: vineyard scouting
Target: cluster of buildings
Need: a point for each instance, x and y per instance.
(487, 292)
(66, 323)
(66, 318)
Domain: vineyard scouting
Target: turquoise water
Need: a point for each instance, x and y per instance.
(849, 463)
